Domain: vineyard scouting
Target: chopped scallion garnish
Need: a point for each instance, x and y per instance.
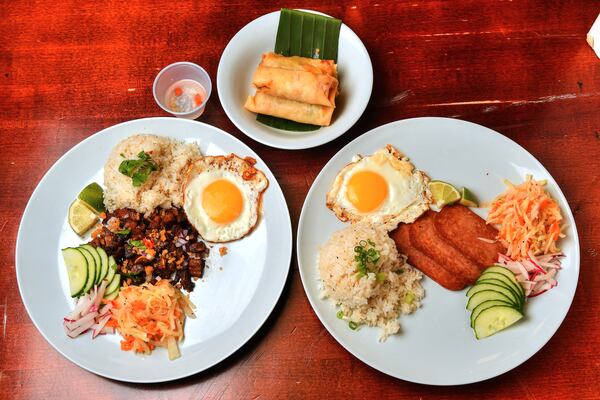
(366, 256)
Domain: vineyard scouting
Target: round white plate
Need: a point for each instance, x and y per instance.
(234, 299)
(436, 345)
(240, 59)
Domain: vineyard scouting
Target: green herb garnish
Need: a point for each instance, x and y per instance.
(124, 232)
(340, 314)
(138, 170)
(366, 256)
(138, 244)
(352, 325)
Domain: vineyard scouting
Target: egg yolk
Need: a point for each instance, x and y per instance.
(366, 190)
(222, 201)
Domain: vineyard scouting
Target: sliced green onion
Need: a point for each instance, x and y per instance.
(381, 276)
(340, 314)
(352, 325)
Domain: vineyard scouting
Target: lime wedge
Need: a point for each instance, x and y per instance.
(81, 218)
(443, 193)
(93, 196)
(467, 198)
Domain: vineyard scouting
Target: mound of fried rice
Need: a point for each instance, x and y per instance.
(163, 187)
(368, 300)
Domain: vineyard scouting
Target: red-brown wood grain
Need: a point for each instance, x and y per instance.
(71, 68)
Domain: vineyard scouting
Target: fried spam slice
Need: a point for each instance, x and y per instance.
(464, 229)
(422, 262)
(425, 237)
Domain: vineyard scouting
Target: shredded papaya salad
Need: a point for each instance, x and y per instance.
(529, 219)
(149, 315)
(530, 226)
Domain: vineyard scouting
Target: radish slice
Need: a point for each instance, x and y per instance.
(82, 321)
(105, 309)
(100, 325)
(108, 329)
(89, 314)
(536, 274)
(100, 293)
(80, 330)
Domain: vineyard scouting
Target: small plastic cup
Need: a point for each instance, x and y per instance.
(174, 73)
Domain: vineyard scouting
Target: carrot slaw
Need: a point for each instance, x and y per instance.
(149, 315)
(529, 219)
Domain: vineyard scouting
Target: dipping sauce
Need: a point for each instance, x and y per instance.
(185, 95)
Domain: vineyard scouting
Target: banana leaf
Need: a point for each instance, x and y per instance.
(306, 35)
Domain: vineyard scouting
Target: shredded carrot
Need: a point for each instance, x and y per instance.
(529, 219)
(151, 315)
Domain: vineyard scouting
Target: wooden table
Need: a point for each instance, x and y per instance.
(523, 68)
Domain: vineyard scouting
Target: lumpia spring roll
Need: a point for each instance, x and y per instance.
(301, 86)
(295, 63)
(289, 109)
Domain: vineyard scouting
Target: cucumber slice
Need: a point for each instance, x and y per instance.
(494, 319)
(112, 296)
(507, 285)
(504, 271)
(91, 278)
(487, 295)
(112, 269)
(113, 285)
(484, 305)
(509, 279)
(104, 262)
(479, 287)
(97, 260)
(77, 270)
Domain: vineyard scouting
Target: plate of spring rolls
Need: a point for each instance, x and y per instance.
(295, 97)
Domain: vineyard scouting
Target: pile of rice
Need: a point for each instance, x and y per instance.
(163, 187)
(367, 300)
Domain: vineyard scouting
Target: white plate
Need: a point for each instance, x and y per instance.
(239, 291)
(240, 59)
(436, 345)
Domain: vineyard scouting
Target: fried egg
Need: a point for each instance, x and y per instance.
(222, 196)
(383, 188)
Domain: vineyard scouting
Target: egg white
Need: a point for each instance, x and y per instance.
(408, 196)
(207, 228)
